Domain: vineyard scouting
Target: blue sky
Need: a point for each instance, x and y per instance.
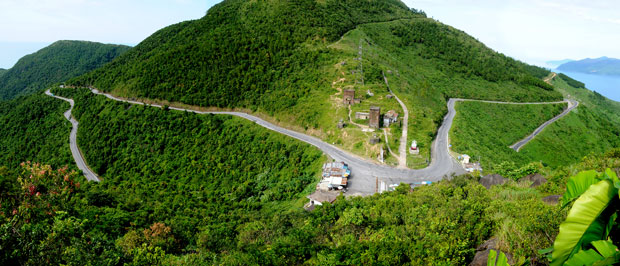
(534, 31)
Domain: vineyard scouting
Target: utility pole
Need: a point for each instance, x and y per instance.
(361, 65)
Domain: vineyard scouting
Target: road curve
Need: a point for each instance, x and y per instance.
(365, 173)
(75, 150)
(572, 104)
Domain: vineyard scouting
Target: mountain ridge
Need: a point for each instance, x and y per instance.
(600, 66)
(55, 63)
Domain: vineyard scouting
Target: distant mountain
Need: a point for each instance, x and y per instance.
(2, 71)
(601, 66)
(56, 63)
(557, 63)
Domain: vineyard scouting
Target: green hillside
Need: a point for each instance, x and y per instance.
(288, 61)
(56, 63)
(33, 129)
(2, 71)
(486, 130)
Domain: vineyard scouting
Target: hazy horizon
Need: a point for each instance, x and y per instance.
(531, 31)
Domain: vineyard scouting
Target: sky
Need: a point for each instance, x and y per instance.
(534, 31)
(29, 25)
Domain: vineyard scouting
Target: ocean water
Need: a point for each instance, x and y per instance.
(608, 86)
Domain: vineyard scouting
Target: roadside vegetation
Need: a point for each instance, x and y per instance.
(33, 129)
(155, 207)
(592, 128)
(279, 60)
(486, 130)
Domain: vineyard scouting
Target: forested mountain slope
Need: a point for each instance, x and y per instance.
(2, 71)
(56, 63)
(33, 129)
(288, 60)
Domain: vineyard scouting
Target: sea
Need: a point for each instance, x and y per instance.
(608, 86)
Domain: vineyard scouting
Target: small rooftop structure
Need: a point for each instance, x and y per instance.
(389, 96)
(341, 124)
(319, 197)
(414, 148)
(361, 115)
(471, 167)
(336, 169)
(375, 139)
(348, 96)
(389, 118)
(375, 113)
(465, 158)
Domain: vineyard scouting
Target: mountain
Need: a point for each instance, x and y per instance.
(2, 71)
(56, 63)
(602, 66)
(183, 188)
(289, 60)
(556, 63)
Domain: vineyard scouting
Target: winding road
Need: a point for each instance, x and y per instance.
(572, 104)
(75, 150)
(365, 173)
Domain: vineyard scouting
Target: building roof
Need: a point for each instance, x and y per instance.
(324, 196)
(375, 108)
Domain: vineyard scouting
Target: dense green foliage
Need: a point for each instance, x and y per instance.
(33, 129)
(571, 82)
(433, 225)
(589, 234)
(2, 71)
(436, 41)
(280, 59)
(56, 63)
(424, 74)
(155, 207)
(593, 127)
(242, 53)
(602, 66)
(486, 130)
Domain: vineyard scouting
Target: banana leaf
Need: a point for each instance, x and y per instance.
(578, 184)
(588, 219)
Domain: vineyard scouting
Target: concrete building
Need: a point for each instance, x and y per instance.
(361, 115)
(389, 118)
(375, 115)
(348, 96)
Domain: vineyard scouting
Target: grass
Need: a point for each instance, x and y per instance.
(592, 128)
(487, 130)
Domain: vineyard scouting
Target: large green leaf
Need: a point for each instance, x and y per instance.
(578, 184)
(603, 253)
(497, 258)
(584, 257)
(586, 221)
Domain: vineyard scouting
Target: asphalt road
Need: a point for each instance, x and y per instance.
(572, 104)
(365, 174)
(75, 150)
